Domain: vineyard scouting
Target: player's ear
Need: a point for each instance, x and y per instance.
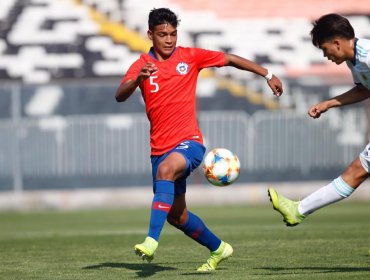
(337, 43)
(150, 35)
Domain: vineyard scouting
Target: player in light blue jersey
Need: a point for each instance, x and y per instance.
(334, 35)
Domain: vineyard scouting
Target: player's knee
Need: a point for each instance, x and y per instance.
(355, 174)
(176, 221)
(355, 168)
(165, 172)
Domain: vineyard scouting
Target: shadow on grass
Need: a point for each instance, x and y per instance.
(143, 270)
(315, 269)
(202, 273)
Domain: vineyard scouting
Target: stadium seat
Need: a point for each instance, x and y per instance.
(43, 41)
(70, 29)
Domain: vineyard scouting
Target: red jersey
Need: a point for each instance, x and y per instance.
(169, 95)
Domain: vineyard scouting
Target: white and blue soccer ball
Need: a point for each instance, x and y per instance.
(221, 167)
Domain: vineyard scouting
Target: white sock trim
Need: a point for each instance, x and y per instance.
(342, 188)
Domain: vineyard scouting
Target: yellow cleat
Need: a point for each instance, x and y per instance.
(286, 207)
(222, 253)
(146, 249)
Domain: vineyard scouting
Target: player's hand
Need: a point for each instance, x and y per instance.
(316, 110)
(276, 85)
(146, 72)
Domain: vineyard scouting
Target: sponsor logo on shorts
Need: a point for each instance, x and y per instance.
(183, 146)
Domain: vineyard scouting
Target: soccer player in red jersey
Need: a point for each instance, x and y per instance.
(167, 78)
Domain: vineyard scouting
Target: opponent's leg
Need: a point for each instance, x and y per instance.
(342, 187)
(337, 190)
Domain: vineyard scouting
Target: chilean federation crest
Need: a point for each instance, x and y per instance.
(182, 68)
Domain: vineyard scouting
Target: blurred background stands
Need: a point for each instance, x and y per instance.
(62, 60)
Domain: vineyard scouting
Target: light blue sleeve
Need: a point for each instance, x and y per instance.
(355, 78)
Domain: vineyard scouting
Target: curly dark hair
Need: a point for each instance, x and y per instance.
(329, 26)
(160, 16)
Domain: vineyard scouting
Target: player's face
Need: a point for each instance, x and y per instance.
(334, 51)
(164, 38)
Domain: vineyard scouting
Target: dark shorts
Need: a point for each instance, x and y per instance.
(193, 153)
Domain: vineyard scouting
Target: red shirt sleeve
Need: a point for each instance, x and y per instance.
(208, 58)
(133, 71)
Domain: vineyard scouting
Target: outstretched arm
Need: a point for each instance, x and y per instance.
(247, 65)
(354, 95)
(127, 88)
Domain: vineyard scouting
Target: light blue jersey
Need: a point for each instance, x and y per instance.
(361, 75)
(361, 67)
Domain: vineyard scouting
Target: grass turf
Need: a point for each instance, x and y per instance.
(333, 243)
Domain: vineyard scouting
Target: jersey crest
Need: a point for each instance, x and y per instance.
(182, 68)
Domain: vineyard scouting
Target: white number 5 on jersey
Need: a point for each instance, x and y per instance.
(153, 83)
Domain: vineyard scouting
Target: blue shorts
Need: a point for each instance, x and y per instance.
(193, 153)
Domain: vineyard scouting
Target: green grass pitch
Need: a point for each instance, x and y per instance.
(333, 243)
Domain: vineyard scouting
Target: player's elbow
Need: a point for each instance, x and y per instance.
(118, 98)
(121, 95)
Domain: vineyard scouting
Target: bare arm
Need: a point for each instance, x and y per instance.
(354, 95)
(247, 65)
(125, 90)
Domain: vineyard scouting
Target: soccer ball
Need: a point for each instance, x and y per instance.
(221, 167)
